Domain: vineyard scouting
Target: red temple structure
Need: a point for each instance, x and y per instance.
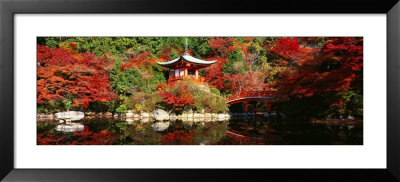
(185, 67)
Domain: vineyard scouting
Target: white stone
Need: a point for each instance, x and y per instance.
(144, 120)
(227, 116)
(221, 116)
(207, 115)
(173, 116)
(70, 127)
(129, 120)
(70, 115)
(129, 114)
(214, 115)
(160, 115)
(145, 115)
(160, 126)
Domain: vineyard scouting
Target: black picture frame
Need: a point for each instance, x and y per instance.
(9, 8)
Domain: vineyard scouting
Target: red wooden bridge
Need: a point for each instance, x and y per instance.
(246, 97)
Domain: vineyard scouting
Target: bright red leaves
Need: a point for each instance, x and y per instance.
(81, 75)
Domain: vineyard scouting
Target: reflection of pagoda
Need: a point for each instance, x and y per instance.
(185, 66)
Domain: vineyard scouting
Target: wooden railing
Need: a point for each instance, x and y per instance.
(268, 93)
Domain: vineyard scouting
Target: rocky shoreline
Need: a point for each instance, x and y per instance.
(158, 115)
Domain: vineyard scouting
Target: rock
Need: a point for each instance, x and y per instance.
(227, 116)
(108, 114)
(129, 120)
(188, 111)
(90, 114)
(173, 116)
(221, 119)
(144, 120)
(183, 115)
(70, 115)
(129, 114)
(70, 127)
(207, 115)
(160, 115)
(160, 126)
(350, 117)
(145, 115)
(221, 116)
(214, 115)
(201, 115)
(136, 116)
(196, 115)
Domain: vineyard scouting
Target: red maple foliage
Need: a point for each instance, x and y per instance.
(143, 59)
(179, 137)
(223, 46)
(337, 67)
(61, 72)
(84, 137)
(246, 84)
(286, 47)
(215, 75)
(178, 100)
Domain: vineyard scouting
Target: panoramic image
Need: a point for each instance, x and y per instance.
(199, 91)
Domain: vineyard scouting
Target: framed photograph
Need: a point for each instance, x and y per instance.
(125, 91)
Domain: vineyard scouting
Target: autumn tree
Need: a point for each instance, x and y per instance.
(69, 77)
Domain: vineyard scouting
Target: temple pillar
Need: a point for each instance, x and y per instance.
(269, 109)
(246, 106)
(197, 74)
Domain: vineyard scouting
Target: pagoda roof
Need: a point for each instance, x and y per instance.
(189, 59)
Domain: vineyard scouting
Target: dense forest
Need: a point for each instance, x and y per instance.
(319, 77)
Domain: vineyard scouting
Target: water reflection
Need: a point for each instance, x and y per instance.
(237, 131)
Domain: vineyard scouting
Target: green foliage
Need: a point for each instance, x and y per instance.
(199, 46)
(173, 55)
(125, 82)
(68, 101)
(236, 63)
(215, 91)
(353, 103)
(122, 109)
(122, 126)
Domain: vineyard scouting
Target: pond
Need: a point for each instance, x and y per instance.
(236, 131)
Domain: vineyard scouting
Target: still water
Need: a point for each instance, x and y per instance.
(236, 131)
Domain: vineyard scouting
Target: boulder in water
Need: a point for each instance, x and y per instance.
(160, 115)
(160, 126)
(70, 127)
(70, 115)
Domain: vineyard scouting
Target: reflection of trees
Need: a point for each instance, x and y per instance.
(141, 134)
(209, 133)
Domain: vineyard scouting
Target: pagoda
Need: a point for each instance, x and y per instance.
(185, 67)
